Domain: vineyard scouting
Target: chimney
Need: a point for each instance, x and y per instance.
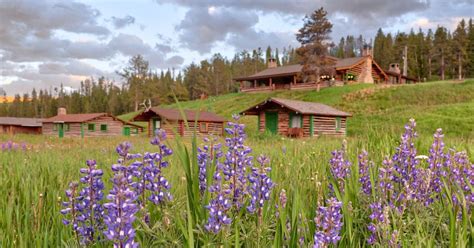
(272, 63)
(394, 67)
(367, 50)
(61, 111)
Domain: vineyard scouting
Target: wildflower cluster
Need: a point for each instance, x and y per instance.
(380, 226)
(364, 172)
(12, 146)
(136, 180)
(231, 180)
(328, 224)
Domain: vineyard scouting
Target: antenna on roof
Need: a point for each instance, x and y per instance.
(146, 104)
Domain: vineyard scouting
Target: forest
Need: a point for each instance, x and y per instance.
(432, 55)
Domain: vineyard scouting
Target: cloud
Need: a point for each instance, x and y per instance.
(122, 22)
(251, 39)
(72, 67)
(203, 26)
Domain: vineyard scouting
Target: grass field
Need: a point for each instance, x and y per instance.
(32, 182)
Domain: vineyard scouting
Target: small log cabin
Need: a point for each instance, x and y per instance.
(87, 125)
(173, 122)
(362, 69)
(298, 119)
(14, 125)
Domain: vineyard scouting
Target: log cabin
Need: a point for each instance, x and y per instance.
(362, 69)
(174, 122)
(88, 125)
(15, 125)
(298, 119)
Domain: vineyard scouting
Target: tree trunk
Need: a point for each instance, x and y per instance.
(459, 67)
(429, 67)
(442, 65)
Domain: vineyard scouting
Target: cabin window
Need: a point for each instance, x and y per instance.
(338, 123)
(203, 127)
(55, 127)
(156, 124)
(103, 127)
(295, 121)
(66, 127)
(91, 127)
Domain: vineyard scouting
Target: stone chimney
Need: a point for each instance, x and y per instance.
(367, 50)
(272, 63)
(62, 111)
(394, 67)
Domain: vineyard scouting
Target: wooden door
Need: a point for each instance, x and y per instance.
(60, 130)
(126, 131)
(271, 122)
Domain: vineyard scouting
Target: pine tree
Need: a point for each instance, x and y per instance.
(441, 47)
(313, 37)
(460, 43)
(470, 50)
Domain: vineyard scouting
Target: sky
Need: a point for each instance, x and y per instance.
(47, 43)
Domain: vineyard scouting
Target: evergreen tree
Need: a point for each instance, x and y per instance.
(313, 37)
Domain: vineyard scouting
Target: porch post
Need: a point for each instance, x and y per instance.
(255, 83)
(294, 80)
(270, 83)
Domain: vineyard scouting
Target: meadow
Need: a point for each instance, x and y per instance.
(33, 181)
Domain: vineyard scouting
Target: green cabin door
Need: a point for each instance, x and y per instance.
(271, 122)
(126, 131)
(60, 130)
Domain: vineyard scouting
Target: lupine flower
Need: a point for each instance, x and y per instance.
(340, 167)
(91, 196)
(12, 146)
(85, 204)
(328, 224)
(121, 209)
(380, 227)
(208, 154)
(364, 173)
(404, 160)
(237, 160)
(219, 204)
(260, 185)
(71, 209)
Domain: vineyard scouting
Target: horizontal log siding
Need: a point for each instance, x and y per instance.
(283, 122)
(213, 128)
(114, 128)
(261, 125)
(48, 129)
(306, 126)
(326, 125)
(12, 129)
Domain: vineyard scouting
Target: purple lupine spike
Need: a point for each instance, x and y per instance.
(364, 172)
(340, 167)
(121, 209)
(237, 160)
(328, 224)
(208, 154)
(158, 185)
(70, 209)
(86, 204)
(260, 185)
(220, 202)
(379, 228)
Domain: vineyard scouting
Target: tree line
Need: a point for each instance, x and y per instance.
(434, 55)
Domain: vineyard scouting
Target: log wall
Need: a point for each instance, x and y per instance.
(114, 128)
(326, 125)
(12, 129)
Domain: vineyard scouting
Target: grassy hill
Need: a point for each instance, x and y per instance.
(375, 108)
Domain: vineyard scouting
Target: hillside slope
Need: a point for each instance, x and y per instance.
(375, 108)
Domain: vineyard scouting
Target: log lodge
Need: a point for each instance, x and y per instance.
(14, 125)
(174, 122)
(298, 119)
(362, 69)
(87, 125)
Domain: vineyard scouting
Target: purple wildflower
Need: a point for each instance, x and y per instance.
(340, 167)
(207, 156)
(237, 160)
(328, 223)
(380, 227)
(220, 202)
(436, 160)
(364, 173)
(85, 204)
(71, 209)
(260, 185)
(121, 210)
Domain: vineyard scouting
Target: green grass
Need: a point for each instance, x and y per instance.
(33, 181)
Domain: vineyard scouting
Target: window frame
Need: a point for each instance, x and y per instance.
(338, 124)
(205, 129)
(66, 127)
(102, 129)
(89, 125)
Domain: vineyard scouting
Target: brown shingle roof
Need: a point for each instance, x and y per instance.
(191, 115)
(289, 70)
(74, 117)
(304, 107)
(24, 122)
